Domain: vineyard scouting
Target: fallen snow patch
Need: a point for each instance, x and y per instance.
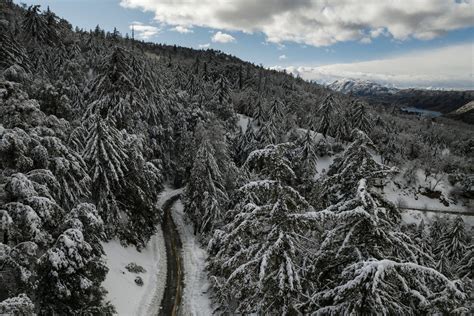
(127, 297)
(196, 299)
(243, 122)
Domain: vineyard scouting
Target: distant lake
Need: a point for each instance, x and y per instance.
(422, 112)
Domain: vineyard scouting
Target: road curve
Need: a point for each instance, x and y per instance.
(174, 263)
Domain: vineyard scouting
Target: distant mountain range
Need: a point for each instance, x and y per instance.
(444, 101)
(361, 87)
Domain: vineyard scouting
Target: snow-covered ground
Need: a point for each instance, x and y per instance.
(127, 297)
(196, 299)
(243, 122)
(322, 165)
(409, 197)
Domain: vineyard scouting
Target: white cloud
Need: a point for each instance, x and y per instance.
(317, 22)
(450, 67)
(143, 31)
(202, 46)
(182, 29)
(220, 37)
(282, 57)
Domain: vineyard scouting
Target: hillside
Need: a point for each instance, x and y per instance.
(138, 177)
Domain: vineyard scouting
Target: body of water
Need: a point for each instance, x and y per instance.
(421, 112)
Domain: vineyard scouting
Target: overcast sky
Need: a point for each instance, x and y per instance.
(418, 43)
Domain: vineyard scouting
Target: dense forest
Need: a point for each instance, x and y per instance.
(94, 123)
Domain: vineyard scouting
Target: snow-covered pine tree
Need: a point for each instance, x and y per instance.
(205, 196)
(70, 274)
(342, 131)
(246, 144)
(359, 117)
(355, 163)
(34, 26)
(327, 112)
(465, 268)
(106, 156)
(452, 246)
(18, 305)
(258, 259)
(259, 112)
(51, 20)
(11, 52)
(272, 162)
(421, 237)
(268, 134)
(222, 104)
(389, 287)
(121, 89)
(306, 159)
(139, 194)
(366, 265)
(85, 218)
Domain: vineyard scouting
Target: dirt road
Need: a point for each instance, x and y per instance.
(174, 263)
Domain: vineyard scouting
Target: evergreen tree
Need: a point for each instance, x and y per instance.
(205, 194)
(466, 265)
(306, 159)
(327, 112)
(355, 163)
(366, 265)
(104, 152)
(259, 114)
(268, 134)
(359, 117)
(69, 277)
(246, 143)
(272, 162)
(258, 257)
(452, 246)
(34, 26)
(391, 288)
(11, 52)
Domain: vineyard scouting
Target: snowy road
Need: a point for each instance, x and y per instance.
(449, 212)
(174, 279)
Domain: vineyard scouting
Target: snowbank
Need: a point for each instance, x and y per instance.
(127, 297)
(196, 299)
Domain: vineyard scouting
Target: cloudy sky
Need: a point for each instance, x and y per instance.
(418, 43)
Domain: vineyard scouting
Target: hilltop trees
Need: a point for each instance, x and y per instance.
(92, 124)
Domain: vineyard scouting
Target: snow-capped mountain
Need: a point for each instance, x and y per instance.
(360, 87)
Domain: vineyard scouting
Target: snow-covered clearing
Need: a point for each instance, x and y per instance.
(322, 165)
(410, 197)
(127, 297)
(196, 299)
(243, 122)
